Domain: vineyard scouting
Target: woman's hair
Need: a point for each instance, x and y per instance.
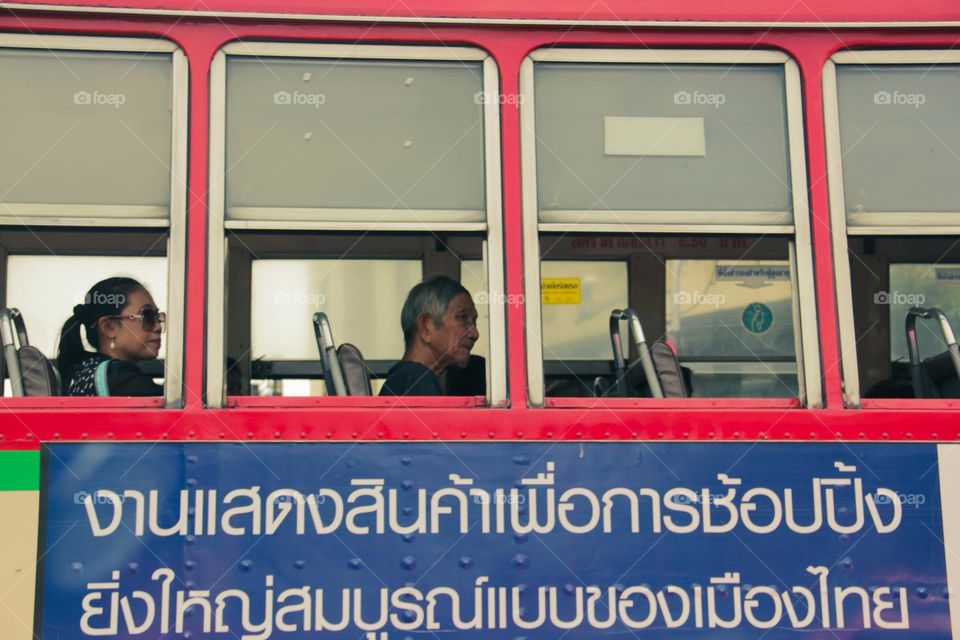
(106, 298)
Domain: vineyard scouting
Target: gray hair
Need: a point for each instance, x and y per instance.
(432, 297)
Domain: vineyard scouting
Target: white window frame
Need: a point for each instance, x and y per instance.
(874, 224)
(127, 216)
(801, 254)
(347, 220)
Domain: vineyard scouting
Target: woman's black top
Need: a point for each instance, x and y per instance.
(123, 378)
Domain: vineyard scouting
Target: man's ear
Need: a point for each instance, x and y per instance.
(424, 323)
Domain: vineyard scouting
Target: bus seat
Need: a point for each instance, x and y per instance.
(332, 372)
(356, 374)
(657, 365)
(31, 374)
(672, 380)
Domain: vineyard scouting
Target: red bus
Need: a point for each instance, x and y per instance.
(771, 188)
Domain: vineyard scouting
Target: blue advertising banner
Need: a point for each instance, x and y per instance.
(537, 540)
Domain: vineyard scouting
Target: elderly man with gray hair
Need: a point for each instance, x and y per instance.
(439, 322)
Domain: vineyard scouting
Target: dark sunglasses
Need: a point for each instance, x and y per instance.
(149, 318)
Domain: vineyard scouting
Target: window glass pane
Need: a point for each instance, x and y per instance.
(730, 309)
(356, 135)
(362, 299)
(654, 137)
(88, 129)
(64, 281)
(577, 299)
(900, 136)
(473, 276)
(922, 285)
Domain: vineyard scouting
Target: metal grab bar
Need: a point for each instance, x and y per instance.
(336, 385)
(646, 361)
(13, 333)
(916, 373)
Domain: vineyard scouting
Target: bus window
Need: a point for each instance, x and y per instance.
(732, 324)
(64, 264)
(724, 304)
(640, 176)
(279, 281)
(347, 174)
(891, 122)
(97, 185)
(96, 125)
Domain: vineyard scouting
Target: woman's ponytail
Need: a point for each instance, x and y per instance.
(70, 351)
(106, 298)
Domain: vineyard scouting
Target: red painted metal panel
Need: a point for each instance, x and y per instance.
(26, 421)
(773, 11)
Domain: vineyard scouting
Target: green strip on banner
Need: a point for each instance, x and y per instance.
(19, 470)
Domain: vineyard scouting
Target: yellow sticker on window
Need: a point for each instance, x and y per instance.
(560, 290)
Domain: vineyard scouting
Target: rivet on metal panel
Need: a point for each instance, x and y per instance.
(189, 565)
(84, 436)
(633, 434)
(221, 435)
(191, 434)
(763, 435)
(408, 537)
(435, 435)
(56, 436)
(520, 561)
(686, 436)
(463, 434)
(885, 436)
(405, 461)
(77, 567)
(329, 435)
(406, 435)
(249, 434)
(736, 434)
(862, 436)
(660, 434)
(110, 435)
(408, 562)
(299, 564)
(246, 565)
(787, 435)
(466, 562)
(192, 459)
(520, 538)
(354, 435)
(303, 434)
(380, 434)
(606, 434)
(813, 436)
(355, 563)
(492, 434)
(935, 436)
(407, 485)
(579, 434)
(132, 567)
(922, 593)
(909, 436)
(711, 435)
(276, 434)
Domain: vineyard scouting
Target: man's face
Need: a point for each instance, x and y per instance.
(452, 340)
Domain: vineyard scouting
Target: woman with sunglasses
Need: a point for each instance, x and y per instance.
(123, 324)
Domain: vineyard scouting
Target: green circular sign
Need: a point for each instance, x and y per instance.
(757, 317)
